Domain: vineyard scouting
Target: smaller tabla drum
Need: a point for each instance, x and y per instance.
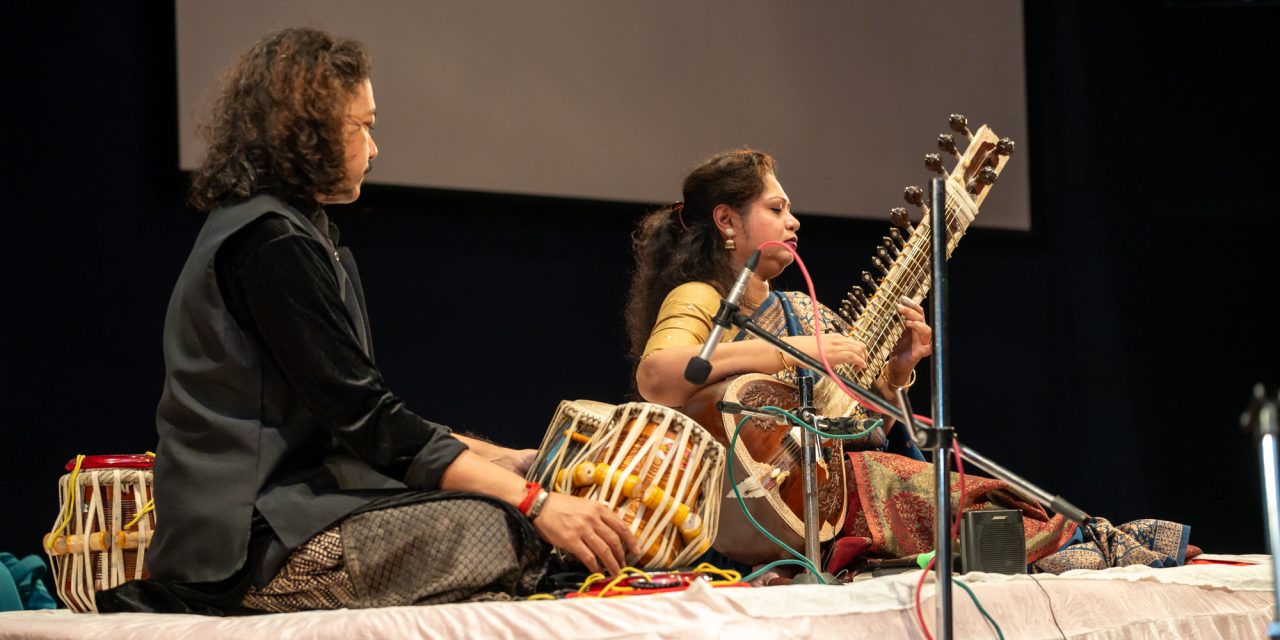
(570, 431)
(99, 540)
(657, 469)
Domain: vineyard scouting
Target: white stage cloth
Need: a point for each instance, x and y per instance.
(1196, 601)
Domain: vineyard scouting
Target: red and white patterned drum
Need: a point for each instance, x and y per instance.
(99, 540)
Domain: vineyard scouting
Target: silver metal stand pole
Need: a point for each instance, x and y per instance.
(941, 406)
(809, 442)
(1266, 428)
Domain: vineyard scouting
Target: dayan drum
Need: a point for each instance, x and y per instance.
(104, 525)
(659, 470)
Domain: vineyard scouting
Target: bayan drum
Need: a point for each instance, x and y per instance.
(657, 469)
(104, 526)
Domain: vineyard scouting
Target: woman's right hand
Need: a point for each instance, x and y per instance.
(839, 349)
(587, 529)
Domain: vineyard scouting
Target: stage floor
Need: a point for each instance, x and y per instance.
(1196, 601)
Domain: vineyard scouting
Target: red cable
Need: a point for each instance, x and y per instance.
(955, 532)
(919, 587)
(817, 332)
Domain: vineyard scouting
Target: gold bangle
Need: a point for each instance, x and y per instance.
(910, 381)
(782, 358)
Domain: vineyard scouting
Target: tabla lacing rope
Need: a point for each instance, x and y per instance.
(71, 486)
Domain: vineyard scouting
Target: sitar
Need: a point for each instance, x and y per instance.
(767, 459)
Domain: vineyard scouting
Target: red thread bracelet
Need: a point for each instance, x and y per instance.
(531, 493)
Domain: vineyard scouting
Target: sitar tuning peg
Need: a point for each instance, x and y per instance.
(890, 246)
(884, 255)
(898, 216)
(959, 124)
(896, 235)
(985, 176)
(879, 264)
(933, 162)
(1004, 147)
(915, 195)
(870, 280)
(845, 314)
(947, 142)
(858, 295)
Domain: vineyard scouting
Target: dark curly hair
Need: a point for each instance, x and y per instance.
(277, 126)
(674, 248)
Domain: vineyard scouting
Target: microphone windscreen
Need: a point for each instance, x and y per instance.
(697, 370)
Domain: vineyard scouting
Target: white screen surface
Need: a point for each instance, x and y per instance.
(617, 100)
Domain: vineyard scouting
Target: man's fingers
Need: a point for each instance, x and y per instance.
(584, 553)
(624, 532)
(603, 552)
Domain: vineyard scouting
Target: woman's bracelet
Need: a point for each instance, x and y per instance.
(910, 381)
(782, 357)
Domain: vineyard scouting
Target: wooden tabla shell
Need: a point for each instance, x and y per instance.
(660, 471)
(94, 551)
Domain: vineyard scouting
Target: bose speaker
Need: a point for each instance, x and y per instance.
(993, 541)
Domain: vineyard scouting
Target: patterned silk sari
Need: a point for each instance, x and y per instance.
(891, 504)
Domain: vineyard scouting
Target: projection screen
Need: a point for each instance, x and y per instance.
(616, 100)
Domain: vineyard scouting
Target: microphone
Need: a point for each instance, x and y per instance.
(699, 366)
(736, 409)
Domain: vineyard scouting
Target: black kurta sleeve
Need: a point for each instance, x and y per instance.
(280, 286)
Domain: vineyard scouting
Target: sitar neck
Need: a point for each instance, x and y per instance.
(878, 324)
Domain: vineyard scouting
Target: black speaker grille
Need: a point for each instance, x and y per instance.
(993, 541)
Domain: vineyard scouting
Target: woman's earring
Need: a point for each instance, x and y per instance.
(729, 244)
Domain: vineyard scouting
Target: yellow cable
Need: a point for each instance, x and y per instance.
(150, 506)
(72, 491)
(541, 596)
(623, 574)
(587, 583)
(730, 576)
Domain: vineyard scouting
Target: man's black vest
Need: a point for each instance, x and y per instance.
(233, 436)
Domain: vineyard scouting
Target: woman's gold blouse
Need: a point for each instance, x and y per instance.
(685, 318)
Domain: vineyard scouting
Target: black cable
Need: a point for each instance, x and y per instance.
(1046, 597)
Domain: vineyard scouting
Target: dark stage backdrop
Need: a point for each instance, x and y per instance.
(1105, 355)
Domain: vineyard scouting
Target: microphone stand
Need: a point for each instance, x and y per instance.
(904, 413)
(1265, 422)
(941, 436)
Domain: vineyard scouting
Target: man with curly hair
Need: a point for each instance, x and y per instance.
(288, 476)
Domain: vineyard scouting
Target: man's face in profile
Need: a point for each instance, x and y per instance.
(358, 145)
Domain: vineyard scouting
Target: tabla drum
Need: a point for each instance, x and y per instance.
(657, 469)
(105, 523)
(570, 431)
